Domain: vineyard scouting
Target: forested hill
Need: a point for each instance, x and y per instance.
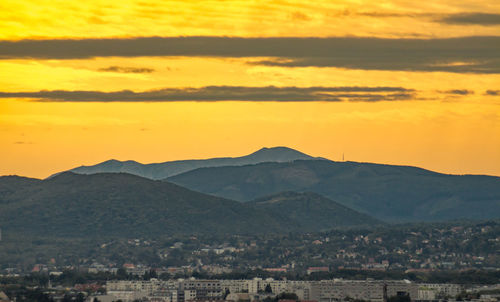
(119, 204)
(387, 192)
(311, 211)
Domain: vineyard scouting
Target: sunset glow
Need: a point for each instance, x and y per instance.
(405, 104)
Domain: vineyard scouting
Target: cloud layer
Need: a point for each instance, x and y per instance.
(460, 55)
(226, 93)
(485, 19)
(122, 69)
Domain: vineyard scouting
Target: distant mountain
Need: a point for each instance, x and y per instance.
(390, 193)
(167, 169)
(119, 204)
(310, 211)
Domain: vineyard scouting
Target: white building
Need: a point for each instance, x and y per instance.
(430, 291)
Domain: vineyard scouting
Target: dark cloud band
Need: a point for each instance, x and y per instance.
(226, 93)
(462, 55)
(492, 92)
(484, 19)
(458, 92)
(121, 69)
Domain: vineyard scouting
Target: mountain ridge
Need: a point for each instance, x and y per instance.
(121, 204)
(390, 193)
(163, 170)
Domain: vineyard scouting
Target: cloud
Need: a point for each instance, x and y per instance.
(459, 92)
(484, 19)
(376, 14)
(226, 93)
(463, 18)
(121, 69)
(299, 16)
(476, 54)
(492, 92)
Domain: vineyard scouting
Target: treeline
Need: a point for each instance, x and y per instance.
(71, 277)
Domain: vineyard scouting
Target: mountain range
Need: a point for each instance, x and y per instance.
(120, 204)
(170, 168)
(271, 190)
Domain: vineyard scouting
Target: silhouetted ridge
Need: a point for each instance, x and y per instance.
(278, 154)
(167, 169)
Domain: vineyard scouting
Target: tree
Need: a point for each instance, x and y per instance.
(80, 297)
(268, 289)
(121, 274)
(287, 296)
(399, 298)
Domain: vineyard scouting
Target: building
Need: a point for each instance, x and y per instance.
(429, 291)
(166, 291)
(200, 290)
(3, 297)
(319, 269)
(339, 290)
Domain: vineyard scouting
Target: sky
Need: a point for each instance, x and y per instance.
(396, 82)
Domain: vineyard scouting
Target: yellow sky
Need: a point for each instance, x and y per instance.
(391, 18)
(451, 133)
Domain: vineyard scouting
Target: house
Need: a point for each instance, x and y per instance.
(3, 297)
(311, 270)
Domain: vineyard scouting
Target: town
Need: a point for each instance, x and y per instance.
(256, 289)
(406, 248)
(427, 262)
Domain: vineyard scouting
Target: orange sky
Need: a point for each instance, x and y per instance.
(437, 129)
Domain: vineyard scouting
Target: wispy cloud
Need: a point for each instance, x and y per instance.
(23, 143)
(462, 18)
(227, 93)
(474, 54)
(458, 92)
(492, 92)
(485, 19)
(121, 69)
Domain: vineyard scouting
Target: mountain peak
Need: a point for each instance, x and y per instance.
(277, 149)
(278, 154)
(111, 161)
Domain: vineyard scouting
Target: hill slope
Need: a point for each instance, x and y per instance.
(392, 193)
(9, 185)
(167, 169)
(119, 204)
(122, 204)
(311, 211)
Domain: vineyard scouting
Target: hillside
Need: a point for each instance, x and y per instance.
(311, 211)
(391, 193)
(9, 185)
(119, 204)
(167, 169)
